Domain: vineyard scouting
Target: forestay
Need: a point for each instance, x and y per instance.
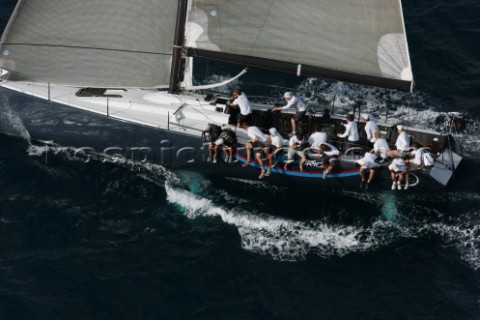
(95, 43)
(361, 41)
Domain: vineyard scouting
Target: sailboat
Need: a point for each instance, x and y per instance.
(117, 75)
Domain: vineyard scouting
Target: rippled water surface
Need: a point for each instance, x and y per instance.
(100, 240)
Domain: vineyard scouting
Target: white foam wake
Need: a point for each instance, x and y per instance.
(466, 239)
(10, 122)
(290, 240)
(281, 238)
(460, 230)
(157, 173)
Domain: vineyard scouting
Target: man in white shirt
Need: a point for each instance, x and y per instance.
(241, 100)
(397, 169)
(293, 101)
(370, 128)
(257, 141)
(402, 143)
(275, 146)
(295, 147)
(351, 132)
(367, 163)
(329, 158)
(381, 147)
(317, 138)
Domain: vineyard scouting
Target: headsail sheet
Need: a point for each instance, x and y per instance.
(362, 41)
(97, 43)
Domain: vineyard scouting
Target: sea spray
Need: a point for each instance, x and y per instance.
(453, 217)
(10, 122)
(281, 238)
(155, 173)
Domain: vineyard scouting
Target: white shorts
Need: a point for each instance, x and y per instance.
(395, 167)
(293, 152)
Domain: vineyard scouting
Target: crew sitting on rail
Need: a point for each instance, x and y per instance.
(210, 135)
(329, 158)
(397, 169)
(259, 142)
(276, 143)
(368, 162)
(228, 141)
(295, 147)
(418, 158)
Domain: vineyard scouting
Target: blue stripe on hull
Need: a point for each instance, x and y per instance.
(302, 174)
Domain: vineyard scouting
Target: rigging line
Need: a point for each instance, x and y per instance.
(81, 47)
(263, 26)
(201, 106)
(206, 117)
(185, 105)
(136, 120)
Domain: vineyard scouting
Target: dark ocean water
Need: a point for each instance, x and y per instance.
(106, 241)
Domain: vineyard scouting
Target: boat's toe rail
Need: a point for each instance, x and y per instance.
(355, 152)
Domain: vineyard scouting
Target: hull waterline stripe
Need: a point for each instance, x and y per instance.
(342, 174)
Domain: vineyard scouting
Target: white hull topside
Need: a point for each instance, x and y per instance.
(186, 113)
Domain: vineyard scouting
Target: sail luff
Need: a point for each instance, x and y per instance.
(10, 22)
(406, 44)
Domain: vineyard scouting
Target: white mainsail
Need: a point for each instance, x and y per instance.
(357, 40)
(95, 43)
(123, 43)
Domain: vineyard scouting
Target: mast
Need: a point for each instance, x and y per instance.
(178, 45)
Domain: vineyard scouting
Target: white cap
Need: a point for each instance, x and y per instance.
(288, 94)
(219, 141)
(365, 116)
(400, 127)
(273, 131)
